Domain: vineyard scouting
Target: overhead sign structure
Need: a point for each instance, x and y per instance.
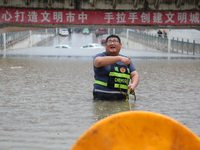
(35, 16)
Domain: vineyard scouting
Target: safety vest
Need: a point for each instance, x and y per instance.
(119, 77)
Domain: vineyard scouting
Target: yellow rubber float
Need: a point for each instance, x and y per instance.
(137, 130)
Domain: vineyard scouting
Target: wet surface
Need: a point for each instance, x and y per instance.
(77, 40)
(47, 103)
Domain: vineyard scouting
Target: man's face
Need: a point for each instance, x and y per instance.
(113, 47)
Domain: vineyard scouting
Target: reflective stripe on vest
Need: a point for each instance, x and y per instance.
(119, 75)
(101, 83)
(121, 86)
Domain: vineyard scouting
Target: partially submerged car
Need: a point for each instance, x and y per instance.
(62, 46)
(86, 31)
(64, 32)
(93, 46)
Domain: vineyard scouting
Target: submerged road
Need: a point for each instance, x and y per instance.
(76, 40)
(47, 103)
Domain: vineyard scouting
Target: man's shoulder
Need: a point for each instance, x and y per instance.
(122, 55)
(101, 54)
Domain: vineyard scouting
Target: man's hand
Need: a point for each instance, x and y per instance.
(125, 60)
(134, 81)
(132, 88)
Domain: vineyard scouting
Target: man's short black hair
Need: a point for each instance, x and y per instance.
(113, 36)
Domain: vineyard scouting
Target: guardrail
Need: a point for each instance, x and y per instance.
(185, 47)
(14, 37)
(167, 44)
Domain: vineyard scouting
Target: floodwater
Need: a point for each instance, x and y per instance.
(46, 103)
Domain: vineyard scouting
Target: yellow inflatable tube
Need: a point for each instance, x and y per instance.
(137, 130)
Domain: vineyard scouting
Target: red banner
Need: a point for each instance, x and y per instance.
(34, 16)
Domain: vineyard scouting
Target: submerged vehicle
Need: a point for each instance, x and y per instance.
(62, 46)
(93, 46)
(86, 31)
(64, 32)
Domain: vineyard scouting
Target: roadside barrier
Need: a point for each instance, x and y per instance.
(9, 39)
(166, 44)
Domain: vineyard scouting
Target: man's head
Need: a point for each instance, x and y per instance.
(113, 45)
(113, 36)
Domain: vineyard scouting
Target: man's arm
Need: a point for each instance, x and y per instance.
(134, 80)
(109, 60)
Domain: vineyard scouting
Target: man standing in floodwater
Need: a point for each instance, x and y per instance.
(113, 72)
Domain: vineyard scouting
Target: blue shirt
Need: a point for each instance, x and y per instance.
(102, 74)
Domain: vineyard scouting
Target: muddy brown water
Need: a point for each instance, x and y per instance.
(47, 103)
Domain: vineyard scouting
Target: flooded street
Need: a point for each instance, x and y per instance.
(47, 103)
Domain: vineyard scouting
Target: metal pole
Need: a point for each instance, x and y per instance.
(172, 45)
(4, 44)
(108, 30)
(46, 35)
(182, 46)
(127, 35)
(187, 45)
(114, 31)
(169, 44)
(193, 47)
(177, 45)
(30, 37)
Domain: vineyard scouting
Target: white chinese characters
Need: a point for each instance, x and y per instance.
(99, 17)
